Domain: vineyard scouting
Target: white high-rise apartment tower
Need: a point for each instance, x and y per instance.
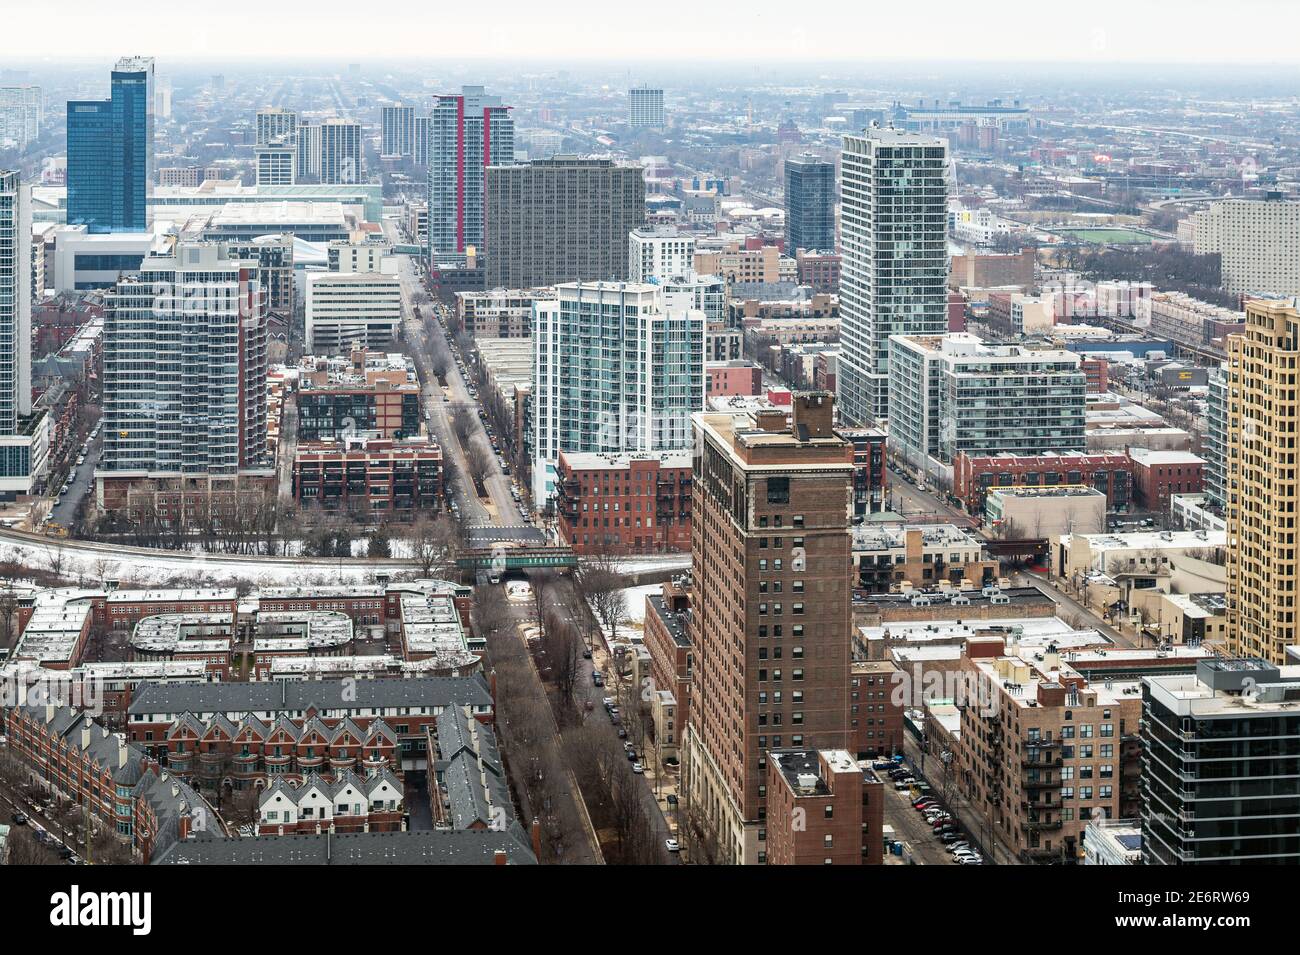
(894, 269)
(19, 445)
(659, 254)
(185, 367)
(618, 368)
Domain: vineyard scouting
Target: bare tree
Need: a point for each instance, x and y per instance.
(21, 848)
(435, 543)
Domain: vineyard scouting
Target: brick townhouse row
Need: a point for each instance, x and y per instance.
(74, 757)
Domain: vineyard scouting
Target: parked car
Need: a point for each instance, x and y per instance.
(638, 768)
(19, 819)
(671, 845)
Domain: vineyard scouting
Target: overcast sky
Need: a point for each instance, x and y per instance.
(1067, 31)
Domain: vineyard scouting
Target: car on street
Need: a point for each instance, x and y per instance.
(638, 769)
(18, 819)
(671, 845)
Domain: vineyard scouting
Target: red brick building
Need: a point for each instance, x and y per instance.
(1097, 372)
(820, 270)
(287, 708)
(823, 808)
(218, 753)
(732, 378)
(375, 477)
(869, 474)
(875, 711)
(69, 754)
(1158, 475)
(669, 644)
(1112, 474)
(628, 503)
(956, 312)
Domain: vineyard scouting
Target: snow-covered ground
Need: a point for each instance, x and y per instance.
(632, 622)
(92, 566)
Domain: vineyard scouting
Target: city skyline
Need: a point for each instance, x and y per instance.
(758, 436)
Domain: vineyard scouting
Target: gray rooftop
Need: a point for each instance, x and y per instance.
(301, 695)
(427, 847)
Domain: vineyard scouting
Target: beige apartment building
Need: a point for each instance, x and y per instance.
(1263, 414)
(740, 263)
(770, 622)
(1042, 751)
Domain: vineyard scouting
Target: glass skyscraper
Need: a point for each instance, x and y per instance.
(809, 204)
(467, 132)
(110, 152)
(894, 268)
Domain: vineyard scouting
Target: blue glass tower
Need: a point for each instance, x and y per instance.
(110, 152)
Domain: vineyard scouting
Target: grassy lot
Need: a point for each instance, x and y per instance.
(1107, 236)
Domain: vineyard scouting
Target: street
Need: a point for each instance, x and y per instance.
(421, 319)
(65, 506)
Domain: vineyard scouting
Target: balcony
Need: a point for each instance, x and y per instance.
(1041, 783)
(1040, 825)
(1042, 763)
(1048, 805)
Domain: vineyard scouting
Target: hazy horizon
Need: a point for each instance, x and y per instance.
(1134, 34)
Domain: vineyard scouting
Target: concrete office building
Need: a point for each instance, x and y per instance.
(341, 159)
(617, 369)
(1263, 415)
(645, 107)
(352, 308)
(953, 393)
(562, 219)
(1219, 753)
(110, 152)
(468, 132)
(894, 258)
(659, 254)
(1048, 511)
(276, 163)
(1258, 243)
(19, 433)
(770, 619)
(371, 255)
(397, 131)
(184, 372)
(809, 204)
(500, 313)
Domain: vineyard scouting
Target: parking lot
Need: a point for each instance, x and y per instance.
(928, 832)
